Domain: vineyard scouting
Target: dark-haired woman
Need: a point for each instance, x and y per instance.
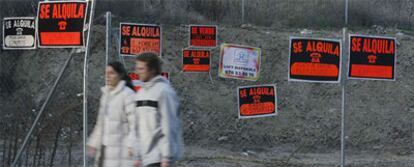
(110, 142)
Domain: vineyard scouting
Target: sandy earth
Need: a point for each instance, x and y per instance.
(219, 157)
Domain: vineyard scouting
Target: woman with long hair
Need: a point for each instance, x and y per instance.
(110, 142)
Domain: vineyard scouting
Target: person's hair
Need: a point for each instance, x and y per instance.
(120, 70)
(152, 61)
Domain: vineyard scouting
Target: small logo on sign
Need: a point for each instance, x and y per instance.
(196, 60)
(19, 31)
(372, 59)
(125, 49)
(315, 57)
(241, 57)
(256, 99)
(62, 25)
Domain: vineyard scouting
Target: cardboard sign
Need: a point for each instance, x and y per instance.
(239, 62)
(139, 38)
(196, 60)
(203, 36)
(372, 57)
(257, 101)
(19, 33)
(61, 23)
(315, 60)
(138, 84)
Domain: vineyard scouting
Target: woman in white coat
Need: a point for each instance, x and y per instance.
(111, 142)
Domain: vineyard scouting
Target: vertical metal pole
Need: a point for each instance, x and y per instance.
(108, 39)
(85, 83)
(118, 38)
(42, 109)
(343, 127)
(343, 85)
(343, 89)
(123, 60)
(242, 11)
(346, 12)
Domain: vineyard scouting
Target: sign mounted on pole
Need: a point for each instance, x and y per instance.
(203, 36)
(139, 38)
(257, 101)
(314, 60)
(372, 57)
(196, 60)
(239, 62)
(19, 33)
(61, 23)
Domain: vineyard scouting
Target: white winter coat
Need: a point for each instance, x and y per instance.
(158, 124)
(113, 126)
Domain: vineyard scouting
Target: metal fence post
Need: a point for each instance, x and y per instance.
(343, 97)
(108, 38)
(243, 11)
(85, 84)
(346, 12)
(343, 87)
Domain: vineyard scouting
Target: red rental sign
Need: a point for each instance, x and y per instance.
(203, 36)
(257, 101)
(61, 23)
(196, 60)
(315, 60)
(372, 57)
(139, 38)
